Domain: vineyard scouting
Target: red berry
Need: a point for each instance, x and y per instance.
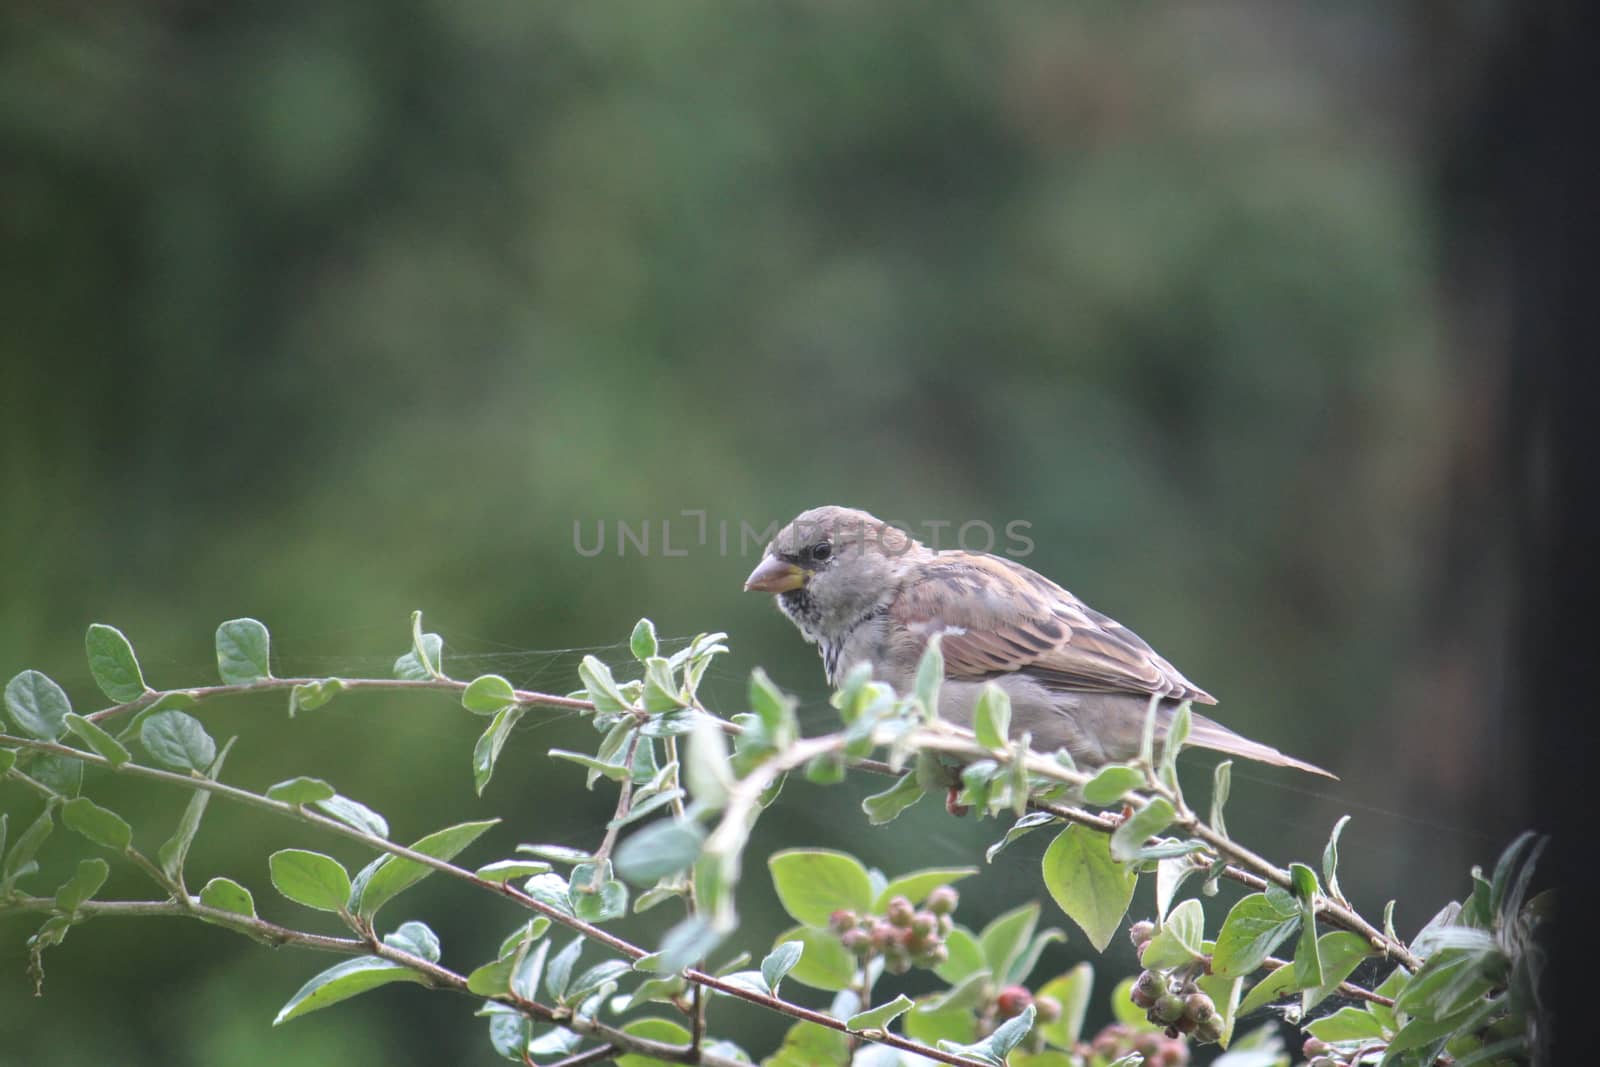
(842, 920)
(1013, 1001)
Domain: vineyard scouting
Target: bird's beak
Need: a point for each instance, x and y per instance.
(773, 575)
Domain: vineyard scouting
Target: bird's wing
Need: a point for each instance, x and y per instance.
(997, 616)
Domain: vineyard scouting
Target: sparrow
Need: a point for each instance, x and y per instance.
(864, 591)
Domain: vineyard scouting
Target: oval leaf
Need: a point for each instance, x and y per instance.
(343, 981)
(310, 878)
(104, 745)
(397, 874)
(1254, 927)
(37, 705)
(488, 694)
(100, 825)
(1091, 887)
(814, 883)
(242, 652)
(301, 791)
(228, 895)
(176, 739)
(112, 663)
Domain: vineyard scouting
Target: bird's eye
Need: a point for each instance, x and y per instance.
(821, 551)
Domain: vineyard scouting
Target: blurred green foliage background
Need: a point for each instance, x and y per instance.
(321, 313)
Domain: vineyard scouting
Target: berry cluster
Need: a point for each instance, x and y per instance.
(1170, 998)
(902, 935)
(1158, 1050)
(1011, 1002)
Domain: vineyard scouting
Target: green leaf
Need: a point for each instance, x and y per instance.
(1254, 927)
(1071, 991)
(824, 963)
(416, 938)
(1178, 940)
(83, 885)
(175, 850)
(1341, 953)
(301, 791)
(642, 643)
(1112, 781)
(779, 962)
(100, 825)
(426, 658)
(1177, 737)
(397, 874)
(104, 745)
(343, 981)
(242, 652)
(176, 739)
(814, 883)
(1220, 781)
(558, 976)
(1330, 859)
(806, 1045)
(228, 895)
(354, 814)
(916, 885)
(1305, 881)
(1448, 982)
(309, 696)
(310, 878)
(886, 806)
(991, 718)
(966, 956)
(660, 687)
(1346, 1024)
(1029, 822)
(1129, 838)
(37, 705)
(1224, 993)
(705, 767)
(486, 753)
(616, 772)
(502, 871)
(773, 707)
(488, 694)
(653, 1029)
(1307, 958)
(1005, 938)
(112, 663)
(602, 688)
(931, 1025)
(597, 905)
(64, 774)
(880, 1017)
(997, 1045)
(1086, 883)
(1171, 873)
(19, 861)
(660, 849)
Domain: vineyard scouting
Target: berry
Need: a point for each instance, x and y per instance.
(1169, 1008)
(842, 920)
(857, 942)
(1146, 988)
(1141, 932)
(1323, 1061)
(900, 912)
(1049, 1008)
(883, 935)
(1209, 1030)
(924, 923)
(936, 955)
(1313, 1048)
(943, 900)
(1199, 1007)
(1013, 1001)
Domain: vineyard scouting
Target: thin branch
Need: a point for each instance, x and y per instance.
(1344, 989)
(599, 1054)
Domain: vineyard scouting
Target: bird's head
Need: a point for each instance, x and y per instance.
(832, 565)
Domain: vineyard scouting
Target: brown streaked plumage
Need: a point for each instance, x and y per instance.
(863, 591)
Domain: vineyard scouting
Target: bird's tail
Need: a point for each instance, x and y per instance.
(1208, 734)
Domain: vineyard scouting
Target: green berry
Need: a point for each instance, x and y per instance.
(943, 900)
(1168, 1008)
(900, 912)
(1199, 1007)
(1049, 1008)
(842, 920)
